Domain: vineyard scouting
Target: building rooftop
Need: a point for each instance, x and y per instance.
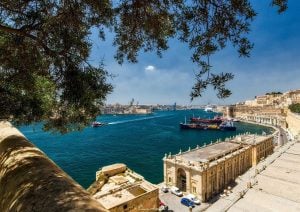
(112, 196)
(210, 152)
(113, 169)
(250, 139)
(116, 184)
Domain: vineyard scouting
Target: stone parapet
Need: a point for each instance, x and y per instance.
(30, 181)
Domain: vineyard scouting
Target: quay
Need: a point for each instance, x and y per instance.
(274, 184)
(271, 185)
(207, 171)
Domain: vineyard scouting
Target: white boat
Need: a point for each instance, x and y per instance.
(208, 109)
(97, 124)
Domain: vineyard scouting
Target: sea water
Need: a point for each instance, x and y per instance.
(139, 141)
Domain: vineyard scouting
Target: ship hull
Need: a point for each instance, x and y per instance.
(206, 121)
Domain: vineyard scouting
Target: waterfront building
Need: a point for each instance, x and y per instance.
(208, 170)
(264, 115)
(275, 120)
(261, 146)
(117, 188)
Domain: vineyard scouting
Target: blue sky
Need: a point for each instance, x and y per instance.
(274, 64)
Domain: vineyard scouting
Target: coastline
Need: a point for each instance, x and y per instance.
(261, 124)
(153, 138)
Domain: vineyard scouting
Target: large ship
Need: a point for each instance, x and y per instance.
(192, 126)
(217, 120)
(208, 125)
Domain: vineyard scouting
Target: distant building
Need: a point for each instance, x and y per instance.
(206, 171)
(117, 188)
(126, 109)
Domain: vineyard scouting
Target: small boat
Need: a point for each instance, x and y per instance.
(227, 126)
(98, 124)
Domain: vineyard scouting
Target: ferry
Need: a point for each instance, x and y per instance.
(98, 124)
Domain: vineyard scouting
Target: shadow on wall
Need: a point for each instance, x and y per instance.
(29, 181)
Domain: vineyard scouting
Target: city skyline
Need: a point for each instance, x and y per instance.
(272, 66)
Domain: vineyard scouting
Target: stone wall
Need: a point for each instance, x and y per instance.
(146, 202)
(293, 123)
(30, 181)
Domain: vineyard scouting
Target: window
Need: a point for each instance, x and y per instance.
(170, 179)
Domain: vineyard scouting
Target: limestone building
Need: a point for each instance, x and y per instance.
(261, 146)
(117, 188)
(206, 171)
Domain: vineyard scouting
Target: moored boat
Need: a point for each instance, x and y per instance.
(216, 120)
(227, 126)
(192, 126)
(217, 123)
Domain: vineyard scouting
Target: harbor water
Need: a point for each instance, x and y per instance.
(139, 141)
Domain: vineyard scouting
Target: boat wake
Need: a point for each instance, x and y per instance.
(139, 119)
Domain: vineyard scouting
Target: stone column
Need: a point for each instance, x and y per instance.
(165, 173)
(188, 181)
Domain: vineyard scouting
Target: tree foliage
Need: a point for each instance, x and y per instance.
(45, 74)
(295, 108)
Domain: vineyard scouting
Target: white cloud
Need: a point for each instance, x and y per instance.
(150, 68)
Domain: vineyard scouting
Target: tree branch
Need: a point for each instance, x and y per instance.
(11, 30)
(39, 42)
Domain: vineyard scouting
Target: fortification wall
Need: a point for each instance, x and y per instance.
(293, 122)
(30, 181)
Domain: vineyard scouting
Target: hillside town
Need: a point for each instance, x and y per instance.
(271, 109)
